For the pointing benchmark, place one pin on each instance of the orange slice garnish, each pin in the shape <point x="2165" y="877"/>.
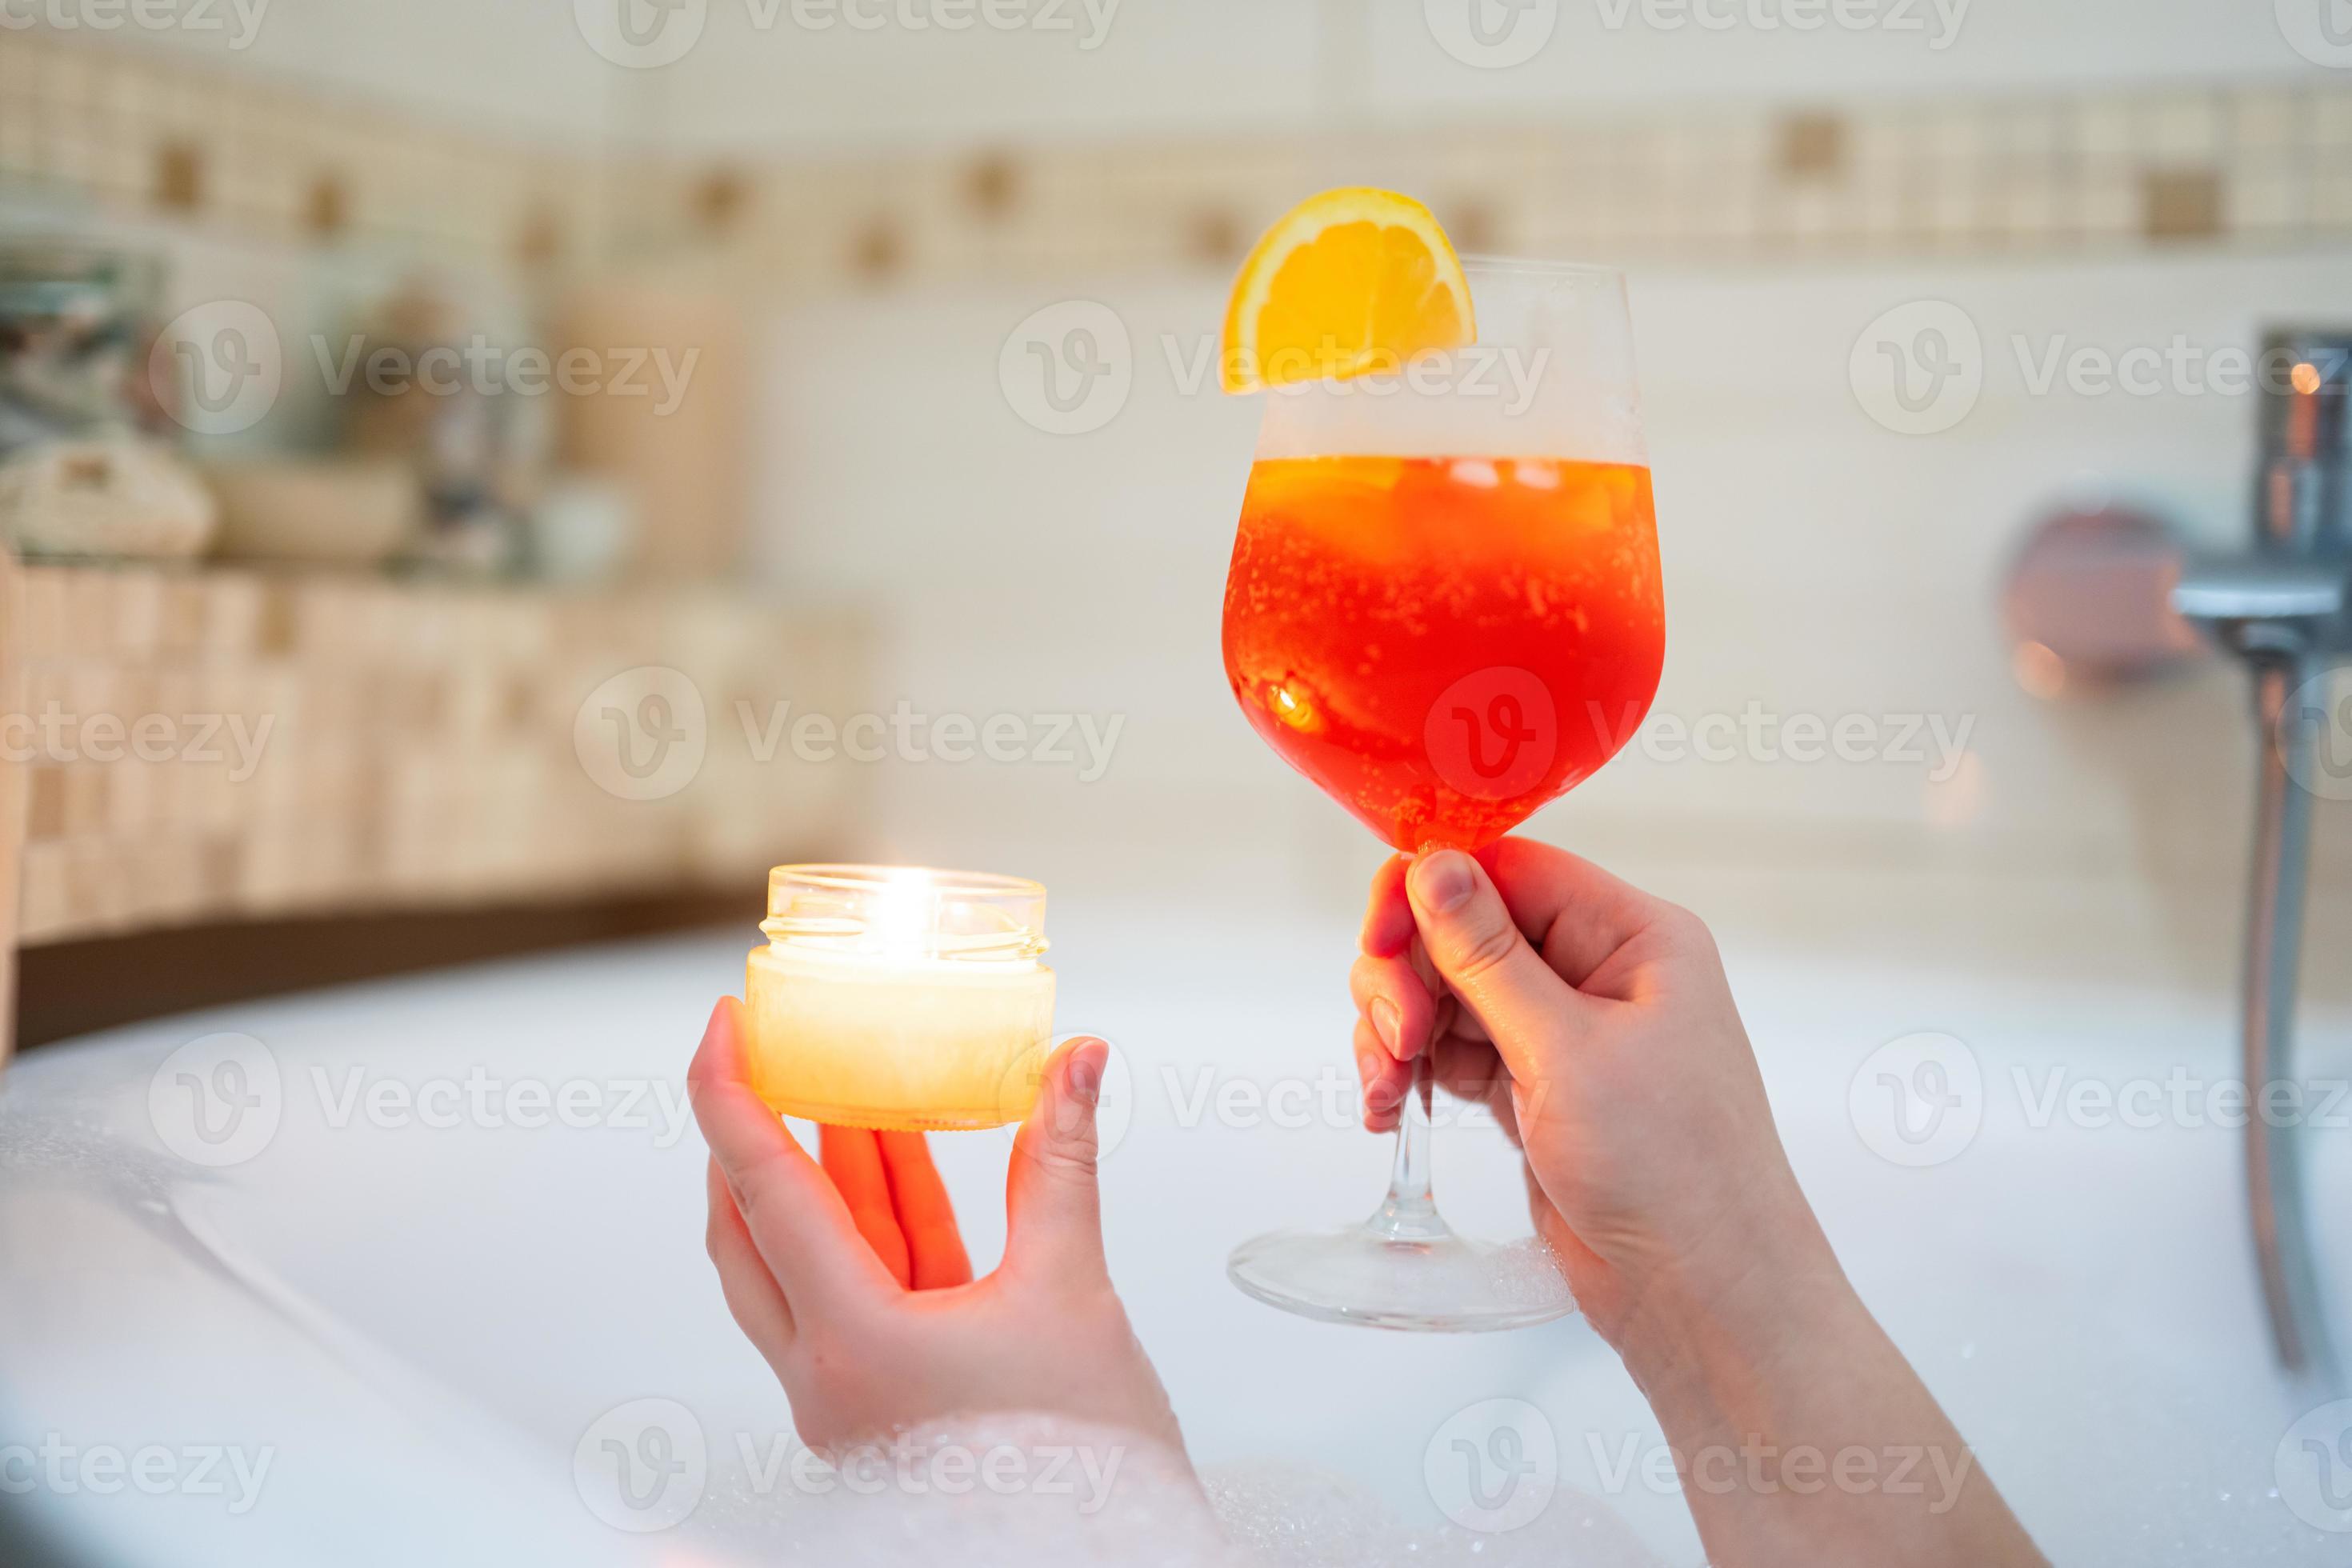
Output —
<point x="1347" y="283"/>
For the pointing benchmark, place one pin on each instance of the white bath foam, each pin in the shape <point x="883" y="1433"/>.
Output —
<point x="1290" y="1516"/>
<point x="1069" y="1493"/>
<point x="1013" y="1489"/>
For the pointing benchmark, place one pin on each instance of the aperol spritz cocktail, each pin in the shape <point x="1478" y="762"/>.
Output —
<point x="1444" y="644"/>
<point x="1445" y="609"/>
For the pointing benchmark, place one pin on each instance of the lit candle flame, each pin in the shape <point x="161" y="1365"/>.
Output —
<point x="902" y="915"/>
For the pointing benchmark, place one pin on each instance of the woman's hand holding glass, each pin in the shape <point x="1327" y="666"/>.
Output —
<point x="1597" y="1023"/>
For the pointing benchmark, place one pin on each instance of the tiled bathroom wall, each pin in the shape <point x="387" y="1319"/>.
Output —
<point x="2258" y="166"/>
<point x="1818" y="564"/>
<point x="222" y="153"/>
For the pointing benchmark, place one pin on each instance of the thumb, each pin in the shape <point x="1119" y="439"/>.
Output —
<point x="1479" y="952"/>
<point x="1052" y="1211"/>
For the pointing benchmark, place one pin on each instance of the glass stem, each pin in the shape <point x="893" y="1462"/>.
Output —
<point x="1409" y="1214"/>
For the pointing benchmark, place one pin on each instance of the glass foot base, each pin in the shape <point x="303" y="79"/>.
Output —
<point x="1433" y="1281"/>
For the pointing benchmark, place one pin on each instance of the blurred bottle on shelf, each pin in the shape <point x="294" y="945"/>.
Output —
<point x="420" y="396"/>
<point x="671" y="436"/>
<point x="82" y="472"/>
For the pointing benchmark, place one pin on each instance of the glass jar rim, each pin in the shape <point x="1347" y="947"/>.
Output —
<point x="905" y="912"/>
<point x="851" y="876"/>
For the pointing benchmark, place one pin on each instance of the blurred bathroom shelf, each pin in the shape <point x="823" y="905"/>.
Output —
<point x="184" y="748"/>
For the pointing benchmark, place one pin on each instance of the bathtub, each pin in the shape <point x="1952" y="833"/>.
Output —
<point x="469" y="1242"/>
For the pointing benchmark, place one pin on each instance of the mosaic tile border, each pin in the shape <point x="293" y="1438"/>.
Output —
<point x="136" y="133"/>
<point x="2249" y="166"/>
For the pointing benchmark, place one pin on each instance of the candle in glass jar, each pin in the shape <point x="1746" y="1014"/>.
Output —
<point x="899" y="997"/>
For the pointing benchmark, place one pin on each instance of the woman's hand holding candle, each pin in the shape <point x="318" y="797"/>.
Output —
<point x="894" y="1194"/>
<point x="860" y="1353"/>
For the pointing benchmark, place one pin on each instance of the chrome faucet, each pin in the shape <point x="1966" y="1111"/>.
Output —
<point x="2285" y="606"/>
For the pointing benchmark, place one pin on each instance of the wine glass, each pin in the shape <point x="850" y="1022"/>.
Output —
<point x="1445" y="609"/>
